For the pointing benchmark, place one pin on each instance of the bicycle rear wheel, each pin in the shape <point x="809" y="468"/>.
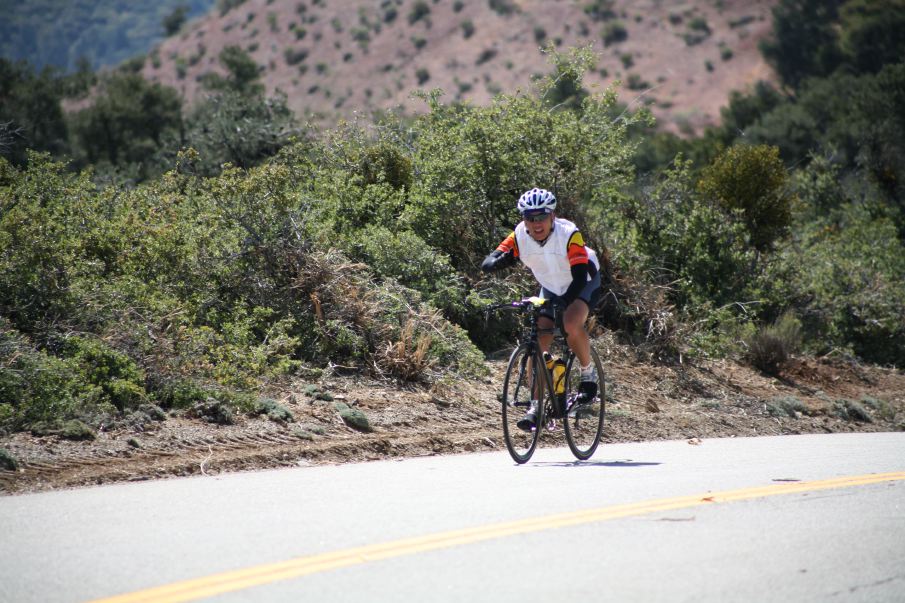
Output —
<point x="523" y="384"/>
<point x="584" y="421"/>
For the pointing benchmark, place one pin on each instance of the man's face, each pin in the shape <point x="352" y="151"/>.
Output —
<point x="539" y="226"/>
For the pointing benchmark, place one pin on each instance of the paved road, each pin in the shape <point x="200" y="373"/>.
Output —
<point x="747" y="519"/>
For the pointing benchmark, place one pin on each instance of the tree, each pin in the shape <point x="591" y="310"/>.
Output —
<point x="30" y="111"/>
<point x="804" y="40"/>
<point x="241" y="129"/>
<point x="242" y="73"/>
<point x="236" y="123"/>
<point x="128" y="123"/>
<point x="873" y="33"/>
<point x="175" y="20"/>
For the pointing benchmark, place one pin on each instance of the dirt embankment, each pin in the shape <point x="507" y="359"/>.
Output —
<point x="645" y="402"/>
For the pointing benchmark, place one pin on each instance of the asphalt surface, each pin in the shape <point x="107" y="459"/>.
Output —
<point x="745" y="519"/>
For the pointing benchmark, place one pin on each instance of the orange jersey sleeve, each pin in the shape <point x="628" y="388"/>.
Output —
<point x="576" y="250"/>
<point x="509" y="245"/>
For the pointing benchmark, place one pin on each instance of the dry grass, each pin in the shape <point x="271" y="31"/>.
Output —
<point x="407" y="357"/>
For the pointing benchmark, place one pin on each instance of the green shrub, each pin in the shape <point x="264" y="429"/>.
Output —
<point x="8" y="461"/>
<point x="770" y="348"/>
<point x="420" y="10"/>
<point x="295" y="56"/>
<point x="415" y="264"/>
<point x="687" y="242"/>
<point x="787" y="406"/>
<point x="274" y="410"/>
<point x="354" y="418"/>
<point x="486" y="55"/>
<point x="227" y="5"/>
<point x="503" y="7"/>
<point x="174" y="21"/>
<point x="76" y="430"/>
<point x="35" y="386"/>
<point x="600" y="10"/>
<point x="846" y="274"/>
<point x="386" y="163"/>
<point x="114" y="372"/>
<point x="613" y="33"/>
<point x="752" y="180"/>
<point x="849" y="410"/>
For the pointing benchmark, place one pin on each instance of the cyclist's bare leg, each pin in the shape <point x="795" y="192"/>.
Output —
<point x="544" y="338"/>
<point x="573" y="321"/>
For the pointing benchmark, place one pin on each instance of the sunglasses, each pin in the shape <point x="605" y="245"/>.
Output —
<point x="535" y="217"/>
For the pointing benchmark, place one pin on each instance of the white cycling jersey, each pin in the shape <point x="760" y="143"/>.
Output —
<point x="551" y="263"/>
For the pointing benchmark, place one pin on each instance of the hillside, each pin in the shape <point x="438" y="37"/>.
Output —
<point x="103" y="32"/>
<point x="335" y="58"/>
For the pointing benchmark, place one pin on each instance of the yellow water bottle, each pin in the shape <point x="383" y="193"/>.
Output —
<point x="558" y="369"/>
<point x="559" y="377"/>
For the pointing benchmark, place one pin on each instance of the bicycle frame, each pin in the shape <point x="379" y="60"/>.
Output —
<point x="530" y="308"/>
<point x="583" y="428"/>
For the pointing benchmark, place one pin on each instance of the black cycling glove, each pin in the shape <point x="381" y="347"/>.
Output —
<point x="497" y="260"/>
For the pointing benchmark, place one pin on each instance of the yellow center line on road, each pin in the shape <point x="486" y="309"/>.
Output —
<point x="192" y="590"/>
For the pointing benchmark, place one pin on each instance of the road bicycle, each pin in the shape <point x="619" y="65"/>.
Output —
<point x="552" y="382"/>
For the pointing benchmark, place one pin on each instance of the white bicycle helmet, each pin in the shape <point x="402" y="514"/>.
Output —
<point x="537" y="200"/>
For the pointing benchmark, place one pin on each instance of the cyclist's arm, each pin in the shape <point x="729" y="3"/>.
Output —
<point x="580" y="266"/>
<point x="503" y="256"/>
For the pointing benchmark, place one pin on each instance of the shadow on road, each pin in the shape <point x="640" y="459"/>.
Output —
<point x="576" y="463"/>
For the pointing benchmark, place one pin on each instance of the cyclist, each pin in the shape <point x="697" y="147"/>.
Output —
<point x="568" y="272"/>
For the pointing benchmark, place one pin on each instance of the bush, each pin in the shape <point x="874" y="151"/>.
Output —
<point x="76" y="430"/>
<point x="216" y="411"/>
<point x="114" y="372"/>
<point x="752" y="180"/>
<point x="173" y="22"/>
<point x="844" y="301"/>
<point x="849" y="410"/>
<point x="420" y="10"/>
<point x="600" y="10"/>
<point x="786" y="406"/>
<point x="613" y="33"/>
<point x="686" y="243"/>
<point x="274" y="410"/>
<point x="295" y="56"/>
<point x="771" y="346"/>
<point x="34" y="386"/>
<point x="354" y="418"/>
<point x="8" y="461"/>
<point x="503" y="7"/>
<point x="410" y="260"/>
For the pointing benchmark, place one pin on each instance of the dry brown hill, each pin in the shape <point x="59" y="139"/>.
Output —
<point x="337" y="57"/>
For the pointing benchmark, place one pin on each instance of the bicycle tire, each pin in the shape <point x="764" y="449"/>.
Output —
<point x="524" y="382"/>
<point x="584" y="422"/>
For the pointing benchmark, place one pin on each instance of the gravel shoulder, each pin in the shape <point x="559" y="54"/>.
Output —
<point x="705" y="399"/>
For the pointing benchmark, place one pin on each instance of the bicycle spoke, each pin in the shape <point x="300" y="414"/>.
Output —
<point x="585" y="414"/>
<point x="518" y="387"/>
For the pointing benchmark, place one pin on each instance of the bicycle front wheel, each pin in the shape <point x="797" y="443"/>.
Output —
<point x="522" y="387"/>
<point x="584" y="415"/>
